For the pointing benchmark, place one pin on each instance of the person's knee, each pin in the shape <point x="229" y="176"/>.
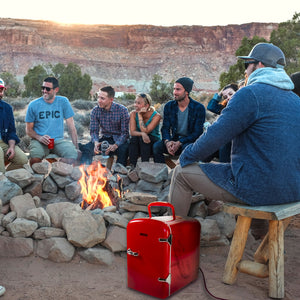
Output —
<point x="134" y="141"/>
<point x="122" y="154"/>
<point x="22" y="159"/>
<point x="156" y="148"/>
<point x="123" y="149"/>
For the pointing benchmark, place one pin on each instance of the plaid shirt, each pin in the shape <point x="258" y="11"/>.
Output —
<point x="110" y="123"/>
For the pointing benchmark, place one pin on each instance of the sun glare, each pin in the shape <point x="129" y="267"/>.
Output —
<point x="156" y="12"/>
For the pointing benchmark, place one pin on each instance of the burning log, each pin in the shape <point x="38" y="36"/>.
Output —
<point x="96" y="189"/>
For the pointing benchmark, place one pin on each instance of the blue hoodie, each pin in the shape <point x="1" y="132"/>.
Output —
<point x="263" y="122"/>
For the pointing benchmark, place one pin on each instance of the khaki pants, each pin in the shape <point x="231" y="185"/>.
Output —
<point x="17" y="162"/>
<point x="191" y="179"/>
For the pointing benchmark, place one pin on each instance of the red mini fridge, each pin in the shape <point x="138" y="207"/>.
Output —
<point x="162" y="253"/>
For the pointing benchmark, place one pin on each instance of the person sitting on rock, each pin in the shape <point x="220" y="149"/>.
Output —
<point x="45" y="119"/>
<point x="182" y="121"/>
<point x="109" y="122"/>
<point x="143" y="128"/>
<point x="10" y="154"/>
<point x="216" y="105"/>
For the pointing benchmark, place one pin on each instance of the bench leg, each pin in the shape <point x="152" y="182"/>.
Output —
<point x="276" y="259"/>
<point x="262" y="253"/>
<point x="237" y="247"/>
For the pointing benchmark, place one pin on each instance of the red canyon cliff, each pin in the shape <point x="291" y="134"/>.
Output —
<point x="126" y="56"/>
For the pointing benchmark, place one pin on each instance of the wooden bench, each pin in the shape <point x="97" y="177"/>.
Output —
<point x="269" y="257"/>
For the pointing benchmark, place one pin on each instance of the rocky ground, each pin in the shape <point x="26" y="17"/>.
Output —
<point x="32" y="278"/>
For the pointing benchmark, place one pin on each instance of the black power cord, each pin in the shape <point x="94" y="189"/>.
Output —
<point x="204" y="281"/>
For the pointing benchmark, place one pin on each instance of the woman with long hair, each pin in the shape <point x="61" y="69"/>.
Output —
<point x="143" y="128"/>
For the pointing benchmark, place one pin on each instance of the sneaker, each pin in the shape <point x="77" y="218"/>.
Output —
<point x="2" y="290"/>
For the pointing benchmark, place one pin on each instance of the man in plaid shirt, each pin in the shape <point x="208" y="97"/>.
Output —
<point x="109" y="122"/>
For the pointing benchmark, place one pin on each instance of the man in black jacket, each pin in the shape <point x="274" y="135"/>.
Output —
<point x="182" y="122"/>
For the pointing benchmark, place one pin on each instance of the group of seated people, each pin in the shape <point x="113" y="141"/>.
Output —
<point x="134" y="135"/>
<point x="261" y="124"/>
<point x="256" y="135"/>
<point x="139" y="134"/>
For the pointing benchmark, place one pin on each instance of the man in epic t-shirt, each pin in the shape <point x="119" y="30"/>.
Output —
<point x="45" y="119"/>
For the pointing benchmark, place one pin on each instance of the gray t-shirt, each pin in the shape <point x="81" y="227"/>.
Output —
<point x="182" y="125"/>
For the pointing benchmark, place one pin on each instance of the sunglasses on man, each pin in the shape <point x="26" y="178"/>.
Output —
<point x="48" y="89"/>
<point x="249" y="62"/>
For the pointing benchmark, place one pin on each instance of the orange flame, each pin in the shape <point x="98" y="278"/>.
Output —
<point x="92" y="182"/>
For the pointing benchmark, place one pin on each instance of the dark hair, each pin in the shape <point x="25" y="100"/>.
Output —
<point x="53" y="80"/>
<point x="296" y="80"/>
<point x="233" y="86"/>
<point x="109" y="90"/>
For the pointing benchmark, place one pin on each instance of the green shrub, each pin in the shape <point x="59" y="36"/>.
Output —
<point x="84" y="104"/>
<point x="82" y="119"/>
<point x="18" y="104"/>
<point x="20" y="129"/>
<point x="80" y="130"/>
<point x="24" y="143"/>
<point x="20" y="119"/>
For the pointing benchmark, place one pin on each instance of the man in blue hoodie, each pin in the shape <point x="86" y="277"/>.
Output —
<point x="263" y="121"/>
<point x="10" y="154"/>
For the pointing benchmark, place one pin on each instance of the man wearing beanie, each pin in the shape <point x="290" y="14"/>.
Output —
<point x="182" y="122"/>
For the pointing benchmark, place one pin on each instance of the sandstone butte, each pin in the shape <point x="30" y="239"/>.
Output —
<point x="128" y="56"/>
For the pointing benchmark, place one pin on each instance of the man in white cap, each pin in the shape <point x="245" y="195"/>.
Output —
<point x="182" y="122"/>
<point x="10" y="154"/>
<point x="263" y="121"/>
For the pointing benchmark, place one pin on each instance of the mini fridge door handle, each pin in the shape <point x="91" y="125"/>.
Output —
<point x="167" y="240"/>
<point x="167" y="280"/>
<point x="130" y="252"/>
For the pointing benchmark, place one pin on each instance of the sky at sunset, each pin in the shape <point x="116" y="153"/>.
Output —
<point x="155" y="12"/>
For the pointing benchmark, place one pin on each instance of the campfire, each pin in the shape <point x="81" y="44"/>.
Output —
<point x="96" y="189"/>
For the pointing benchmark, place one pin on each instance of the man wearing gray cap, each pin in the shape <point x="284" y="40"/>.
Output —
<point x="182" y="122"/>
<point x="263" y="121"/>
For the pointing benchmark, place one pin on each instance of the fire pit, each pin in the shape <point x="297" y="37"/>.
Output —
<point x="96" y="188"/>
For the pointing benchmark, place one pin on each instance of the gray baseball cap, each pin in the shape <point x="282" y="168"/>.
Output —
<point x="267" y="53"/>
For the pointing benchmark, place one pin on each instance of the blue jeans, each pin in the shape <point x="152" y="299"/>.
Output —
<point x="88" y="151"/>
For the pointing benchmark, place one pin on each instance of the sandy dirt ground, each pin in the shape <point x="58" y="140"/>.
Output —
<point x="33" y="278"/>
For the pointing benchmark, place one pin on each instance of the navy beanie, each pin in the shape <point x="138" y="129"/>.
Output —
<point x="186" y="82"/>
